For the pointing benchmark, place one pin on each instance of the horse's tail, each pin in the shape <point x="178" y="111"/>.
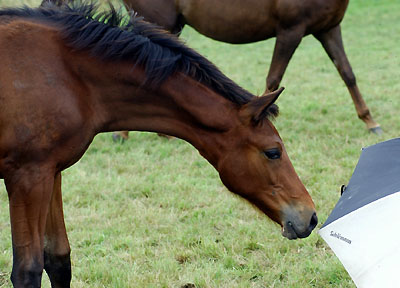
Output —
<point x="46" y="3"/>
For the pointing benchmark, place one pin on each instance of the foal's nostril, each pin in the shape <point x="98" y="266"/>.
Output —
<point x="313" y="222"/>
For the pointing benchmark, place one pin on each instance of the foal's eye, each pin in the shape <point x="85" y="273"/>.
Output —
<point x="273" y="154"/>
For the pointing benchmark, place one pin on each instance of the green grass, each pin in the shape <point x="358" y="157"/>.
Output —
<point x="153" y="213"/>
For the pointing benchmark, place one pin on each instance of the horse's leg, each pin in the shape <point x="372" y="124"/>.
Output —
<point x="120" y="136"/>
<point x="164" y="13"/>
<point x="332" y="42"/>
<point x="29" y="191"/>
<point x="286" y="43"/>
<point x="57" y="262"/>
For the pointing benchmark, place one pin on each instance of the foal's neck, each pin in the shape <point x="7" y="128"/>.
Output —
<point x="181" y="107"/>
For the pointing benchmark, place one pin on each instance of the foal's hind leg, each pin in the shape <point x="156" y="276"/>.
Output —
<point x="332" y="42"/>
<point x="57" y="261"/>
<point x="286" y="43"/>
<point x="29" y="191"/>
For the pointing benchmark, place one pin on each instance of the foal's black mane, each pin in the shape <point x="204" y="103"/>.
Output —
<point x="111" y="36"/>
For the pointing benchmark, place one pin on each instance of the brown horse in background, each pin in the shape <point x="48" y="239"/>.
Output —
<point x="246" y="21"/>
<point x="67" y="75"/>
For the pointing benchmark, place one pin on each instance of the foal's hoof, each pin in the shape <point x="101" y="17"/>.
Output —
<point x="117" y="138"/>
<point x="376" y="130"/>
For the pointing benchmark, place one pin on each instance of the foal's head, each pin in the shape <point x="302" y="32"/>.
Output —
<point x="256" y="166"/>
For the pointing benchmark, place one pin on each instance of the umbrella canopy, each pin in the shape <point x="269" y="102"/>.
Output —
<point x="364" y="227"/>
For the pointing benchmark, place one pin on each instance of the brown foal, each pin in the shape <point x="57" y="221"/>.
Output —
<point x="68" y="73"/>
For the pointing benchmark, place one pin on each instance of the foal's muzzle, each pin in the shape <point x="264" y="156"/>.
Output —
<point x="298" y="225"/>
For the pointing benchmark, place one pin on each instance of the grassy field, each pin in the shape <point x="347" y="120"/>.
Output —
<point x="153" y="213"/>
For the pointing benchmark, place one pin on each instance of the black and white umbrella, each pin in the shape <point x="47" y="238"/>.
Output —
<point x="364" y="227"/>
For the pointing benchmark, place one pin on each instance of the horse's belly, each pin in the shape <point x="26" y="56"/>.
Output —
<point x="237" y="34"/>
<point x="230" y="21"/>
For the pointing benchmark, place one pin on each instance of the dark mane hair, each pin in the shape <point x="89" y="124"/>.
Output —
<point x="112" y="36"/>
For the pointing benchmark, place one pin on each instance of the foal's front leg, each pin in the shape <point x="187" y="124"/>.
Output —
<point x="57" y="262"/>
<point x="29" y="191"/>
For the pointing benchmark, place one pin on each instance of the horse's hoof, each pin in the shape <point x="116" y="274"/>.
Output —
<point x="165" y="136"/>
<point x="117" y="138"/>
<point x="376" y="130"/>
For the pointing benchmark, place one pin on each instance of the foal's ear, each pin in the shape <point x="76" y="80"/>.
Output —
<point x="258" y="108"/>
